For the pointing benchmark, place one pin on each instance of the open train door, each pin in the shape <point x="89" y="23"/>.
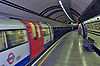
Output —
<point x="32" y="37"/>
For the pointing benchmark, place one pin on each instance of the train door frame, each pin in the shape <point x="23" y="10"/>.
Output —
<point x="33" y="42"/>
<point x="35" y="39"/>
<point x="40" y="39"/>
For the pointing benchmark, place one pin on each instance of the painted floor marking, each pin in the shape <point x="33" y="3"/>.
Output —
<point x="80" y="50"/>
<point x="48" y="54"/>
<point x="69" y="50"/>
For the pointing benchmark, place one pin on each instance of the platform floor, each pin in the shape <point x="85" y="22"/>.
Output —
<point x="69" y="52"/>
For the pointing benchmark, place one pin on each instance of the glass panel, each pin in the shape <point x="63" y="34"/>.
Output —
<point x="38" y="30"/>
<point x="48" y="31"/>
<point x="44" y="32"/>
<point x="2" y="42"/>
<point x="16" y="37"/>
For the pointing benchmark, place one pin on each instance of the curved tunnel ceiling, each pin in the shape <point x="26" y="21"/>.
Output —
<point x="51" y="9"/>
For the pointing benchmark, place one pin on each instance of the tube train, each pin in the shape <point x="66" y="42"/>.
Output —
<point x="22" y="40"/>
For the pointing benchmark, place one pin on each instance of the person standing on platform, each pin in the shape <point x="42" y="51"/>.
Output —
<point x="79" y="29"/>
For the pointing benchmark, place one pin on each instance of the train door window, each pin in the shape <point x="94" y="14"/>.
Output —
<point x="38" y="30"/>
<point x="48" y="32"/>
<point x="2" y="41"/>
<point x="33" y="30"/>
<point x="16" y="37"/>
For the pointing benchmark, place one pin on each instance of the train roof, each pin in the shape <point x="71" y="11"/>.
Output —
<point x="7" y="24"/>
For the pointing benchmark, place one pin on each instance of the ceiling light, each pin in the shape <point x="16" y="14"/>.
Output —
<point x="64" y="10"/>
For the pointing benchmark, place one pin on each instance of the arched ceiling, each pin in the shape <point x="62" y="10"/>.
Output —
<point x="74" y="10"/>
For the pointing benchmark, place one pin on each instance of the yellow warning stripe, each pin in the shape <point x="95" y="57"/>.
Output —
<point x="48" y="53"/>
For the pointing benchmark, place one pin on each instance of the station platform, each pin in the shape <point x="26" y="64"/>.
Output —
<point x="68" y="52"/>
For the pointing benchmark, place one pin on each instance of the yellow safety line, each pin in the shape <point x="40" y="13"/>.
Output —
<point x="48" y="53"/>
<point x="51" y="50"/>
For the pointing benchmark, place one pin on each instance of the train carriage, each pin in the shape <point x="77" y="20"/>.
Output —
<point x="22" y="40"/>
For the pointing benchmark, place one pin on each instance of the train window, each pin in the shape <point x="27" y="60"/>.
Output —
<point x="38" y="30"/>
<point x="44" y="32"/>
<point x="33" y="30"/>
<point x="16" y="37"/>
<point x="2" y="42"/>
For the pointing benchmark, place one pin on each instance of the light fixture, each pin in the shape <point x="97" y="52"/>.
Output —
<point x="64" y="10"/>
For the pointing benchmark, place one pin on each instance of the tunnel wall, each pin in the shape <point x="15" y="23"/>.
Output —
<point x="93" y="30"/>
<point x="60" y="31"/>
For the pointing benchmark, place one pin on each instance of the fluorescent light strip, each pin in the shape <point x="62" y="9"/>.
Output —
<point x="64" y="10"/>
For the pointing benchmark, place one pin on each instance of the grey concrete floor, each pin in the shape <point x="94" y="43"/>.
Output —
<point x="69" y="52"/>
